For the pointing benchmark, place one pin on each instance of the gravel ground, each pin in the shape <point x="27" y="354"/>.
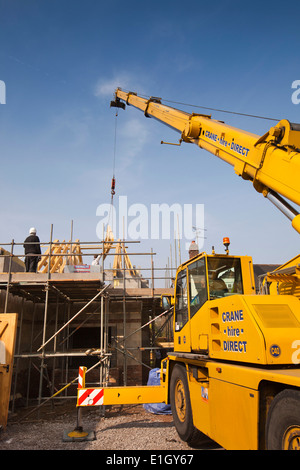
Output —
<point x="122" y="428"/>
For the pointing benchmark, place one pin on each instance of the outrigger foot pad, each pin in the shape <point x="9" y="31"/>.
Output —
<point x="78" y="435"/>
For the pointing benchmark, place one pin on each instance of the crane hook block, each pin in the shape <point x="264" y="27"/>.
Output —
<point x="113" y="185"/>
<point x="117" y="104"/>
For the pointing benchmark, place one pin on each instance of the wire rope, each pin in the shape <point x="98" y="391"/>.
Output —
<point x="221" y="110"/>
<point x="212" y="109"/>
<point x="113" y="177"/>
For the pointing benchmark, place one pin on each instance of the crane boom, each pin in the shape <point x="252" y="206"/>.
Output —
<point x="271" y="162"/>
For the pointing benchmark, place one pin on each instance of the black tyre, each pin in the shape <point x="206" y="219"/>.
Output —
<point x="283" y="422"/>
<point x="181" y="408"/>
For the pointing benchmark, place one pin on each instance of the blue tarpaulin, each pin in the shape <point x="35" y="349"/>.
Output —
<point x="156" y="408"/>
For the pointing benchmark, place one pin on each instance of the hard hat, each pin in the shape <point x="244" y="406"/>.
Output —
<point x="32" y="230"/>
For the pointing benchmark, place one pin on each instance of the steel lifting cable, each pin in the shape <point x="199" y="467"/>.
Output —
<point x="222" y="110"/>
<point x="113" y="181"/>
<point x="211" y="109"/>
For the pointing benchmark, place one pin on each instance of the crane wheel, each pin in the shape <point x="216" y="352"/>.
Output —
<point x="283" y="422"/>
<point x="181" y="408"/>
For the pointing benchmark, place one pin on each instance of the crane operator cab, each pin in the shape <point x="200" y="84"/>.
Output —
<point x="218" y="315"/>
<point x="201" y="284"/>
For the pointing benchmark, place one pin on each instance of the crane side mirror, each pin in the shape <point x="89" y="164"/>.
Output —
<point x="167" y="301"/>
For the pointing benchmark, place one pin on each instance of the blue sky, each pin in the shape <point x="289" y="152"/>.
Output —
<point x="61" y="62"/>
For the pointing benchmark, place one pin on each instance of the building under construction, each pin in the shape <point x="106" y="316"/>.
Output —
<point x="105" y="315"/>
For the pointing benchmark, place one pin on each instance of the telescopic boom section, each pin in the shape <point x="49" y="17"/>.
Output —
<point x="271" y="161"/>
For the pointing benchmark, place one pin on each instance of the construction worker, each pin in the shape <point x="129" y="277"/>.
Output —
<point x="32" y="249"/>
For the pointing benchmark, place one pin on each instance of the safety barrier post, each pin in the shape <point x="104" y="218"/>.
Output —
<point x="81" y="377"/>
<point x="78" y="434"/>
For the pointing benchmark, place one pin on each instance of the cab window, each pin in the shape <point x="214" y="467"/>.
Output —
<point x="224" y="277"/>
<point x="197" y="285"/>
<point x="181" y="302"/>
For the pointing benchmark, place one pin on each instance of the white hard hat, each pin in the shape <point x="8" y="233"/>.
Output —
<point x="32" y="230"/>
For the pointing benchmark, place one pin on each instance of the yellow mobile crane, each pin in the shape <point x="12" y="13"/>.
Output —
<point x="234" y="374"/>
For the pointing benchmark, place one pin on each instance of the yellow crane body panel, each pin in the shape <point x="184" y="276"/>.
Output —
<point x="256" y="329"/>
<point x="8" y="329"/>
<point x="226" y="407"/>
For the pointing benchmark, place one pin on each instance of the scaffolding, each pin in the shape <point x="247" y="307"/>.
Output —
<point x="47" y="322"/>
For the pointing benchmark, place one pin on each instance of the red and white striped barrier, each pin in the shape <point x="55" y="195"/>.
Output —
<point x="81" y="377"/>
<point x="90" y="397"/>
